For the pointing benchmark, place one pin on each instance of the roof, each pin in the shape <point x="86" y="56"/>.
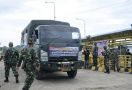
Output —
<point x="34" y="23"/>
<point x="120" y="34"/>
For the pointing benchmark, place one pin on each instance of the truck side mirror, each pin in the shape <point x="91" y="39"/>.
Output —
<point x="34" y="37"/>
<point x="80" y="48"/>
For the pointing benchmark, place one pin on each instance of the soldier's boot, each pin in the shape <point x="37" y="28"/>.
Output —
<point x="118" y="70"/>
<point x="6" y="80"/>
<point x="25" y="88"/>
<point x="96" y="68"/>
<point x="17" y="80"/>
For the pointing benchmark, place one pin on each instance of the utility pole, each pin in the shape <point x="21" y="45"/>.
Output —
<point x="84" y="25"/>
<point x="54" y="9"/>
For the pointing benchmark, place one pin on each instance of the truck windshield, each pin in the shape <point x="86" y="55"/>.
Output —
<point x="57" y="34"/>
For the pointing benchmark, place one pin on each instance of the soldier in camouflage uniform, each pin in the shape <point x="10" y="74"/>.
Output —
<point x="95" y="56"/>
<point x="114" y="55"/>
<point x="2" y="55"/>
<point x="30" y="61"/>
<point x="106" y="55"/>
<point x="10" y="60"/>
<point x="3" y="52"/>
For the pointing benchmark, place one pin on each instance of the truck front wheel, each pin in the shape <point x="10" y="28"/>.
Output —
<point x="39" y="75"/>
<point x="72" y="73"/>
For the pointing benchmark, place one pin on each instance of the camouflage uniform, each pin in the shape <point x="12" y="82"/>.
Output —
<point x="10" y="60"/>
<point x="3" y="52"/>
<point x="23" y="57"/>
<point x="115" y="60"/>
<point x="106" y="55"/>
<point x="95" y="56"/>
<point x="30" y="61"/>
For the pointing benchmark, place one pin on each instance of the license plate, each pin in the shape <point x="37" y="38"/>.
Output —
<point x="66" y="67"/>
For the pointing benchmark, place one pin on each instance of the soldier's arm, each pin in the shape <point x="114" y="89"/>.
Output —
<point x="102" y="53"/>
<point x="33" y="54"/>
<point x="20" y="60"/>
<point x="6" y="56"/>
<point x="88" y="52"/>
<point x="108" y="53"/>
<point x="34" y="57"/>
<point x="1" y="58"/>
<point x="17" y="55"/>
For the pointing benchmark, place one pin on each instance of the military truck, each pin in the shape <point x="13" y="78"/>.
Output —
<point x="58" y="46"/>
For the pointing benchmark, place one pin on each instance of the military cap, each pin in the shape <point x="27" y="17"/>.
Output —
<point x="30" y="41"/>
<point x="105" y="47"/>
<point x="10" y="44"/>
<point x="95" y="43"/>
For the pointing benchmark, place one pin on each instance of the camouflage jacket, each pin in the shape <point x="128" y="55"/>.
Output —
<point x="29" y="57"/>
<point x="95" y="51"/>
<point x="106" y="54"/>
<point x="11" y="56"/>
<point x="23" y="54"/>
<point x="114" y="55"/>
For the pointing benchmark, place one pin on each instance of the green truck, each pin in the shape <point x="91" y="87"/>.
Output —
<point x="58" y="46"/>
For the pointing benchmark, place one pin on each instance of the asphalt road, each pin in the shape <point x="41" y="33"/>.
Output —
<point x="85" y="80"/>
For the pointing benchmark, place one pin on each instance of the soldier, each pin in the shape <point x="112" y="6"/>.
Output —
<point x="30" y="61"/>
<point x="2" y="55"/>
<point x="10" y="60"/>
<point x="95" y="56"/>
<point x="106" y="55"/>
<point x="3" y="52"/>
<point x="128" y="52"/>
<point x="115" y="60"/>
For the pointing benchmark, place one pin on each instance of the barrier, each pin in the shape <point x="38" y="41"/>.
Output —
<point x="125" y="62"/>
<point x="101" y="63"/>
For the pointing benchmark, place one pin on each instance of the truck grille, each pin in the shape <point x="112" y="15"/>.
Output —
<point x="62" y="59"/>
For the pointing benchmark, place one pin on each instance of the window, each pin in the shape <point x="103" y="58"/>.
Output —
<point x="75" y="35"/>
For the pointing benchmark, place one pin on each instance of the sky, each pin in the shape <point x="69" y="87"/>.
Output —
<point x="99" y="16"/>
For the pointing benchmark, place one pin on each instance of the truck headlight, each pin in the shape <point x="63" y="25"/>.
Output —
<point x="80" y="56"/>
<point x="44" y="56"/>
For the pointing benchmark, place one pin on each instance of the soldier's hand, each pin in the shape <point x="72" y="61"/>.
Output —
<point x="17" y="68"/>
<point x="0" y="58"/>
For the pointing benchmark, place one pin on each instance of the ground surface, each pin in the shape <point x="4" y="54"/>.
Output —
<point x="85" y="80"/>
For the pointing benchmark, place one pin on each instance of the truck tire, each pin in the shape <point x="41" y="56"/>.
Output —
<point x="39" y="75"/>
<point x="72" y="73"/>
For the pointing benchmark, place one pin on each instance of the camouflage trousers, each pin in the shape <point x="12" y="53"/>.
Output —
<point x="106" y="64"/>
<point x="7" y="70"/>
<point x="30" y="78"/>
<point x="115" y="65"/>
<point x="95" y="62"/>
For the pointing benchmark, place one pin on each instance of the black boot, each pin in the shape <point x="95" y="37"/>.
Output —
<point x="6" y="80"/>
<point x="17" y="80"/>
<point x="118" y="70"/>
<point x="24" y="88"/>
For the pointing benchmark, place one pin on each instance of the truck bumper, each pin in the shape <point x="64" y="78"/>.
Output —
<point x="61" y="66"/>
